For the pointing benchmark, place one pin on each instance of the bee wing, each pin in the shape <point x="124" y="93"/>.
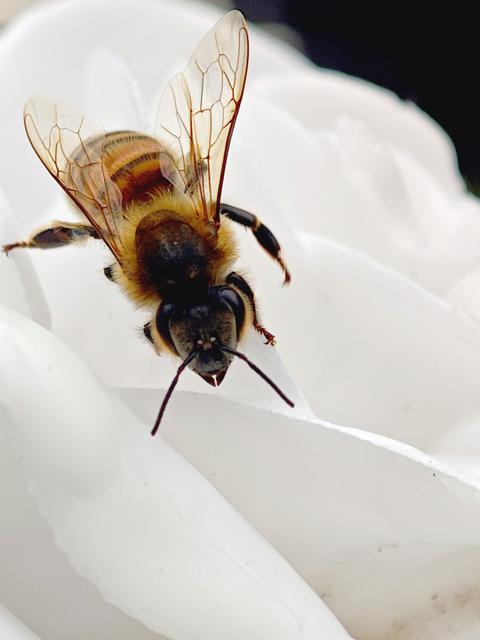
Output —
<point x="71" y="147"/>
<point x="197" y="114"/>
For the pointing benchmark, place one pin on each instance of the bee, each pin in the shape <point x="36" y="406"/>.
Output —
<point x="155" y="202"/>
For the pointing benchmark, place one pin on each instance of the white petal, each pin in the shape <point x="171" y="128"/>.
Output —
<point x="20" y="289"/>
<point x="318" y="98"/>
<point x="112" y="93"/>
<point x="388" y="537"/>
<point x="42" y="587"/>
<point x="134" y="517"/>
<point x="444" y="244"/>
<point x="343" y="184"/>
<point x="382" y="354"/>
<point x="351" y="185"/>
<point x="465" y="293"/>
<point x="12" y="628"/>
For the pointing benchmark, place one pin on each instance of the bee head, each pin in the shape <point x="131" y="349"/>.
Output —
<point x="205" y="335"/>
<point x="204" y="330"/>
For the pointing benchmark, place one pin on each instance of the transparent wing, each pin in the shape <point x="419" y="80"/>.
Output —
<point x="71" y="147"/>
<point x="197" y="114"/>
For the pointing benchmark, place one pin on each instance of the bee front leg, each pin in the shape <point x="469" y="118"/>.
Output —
<point x="58" y="234"/>
<point x="242" y="285"/>
<point x="262" y="233"/>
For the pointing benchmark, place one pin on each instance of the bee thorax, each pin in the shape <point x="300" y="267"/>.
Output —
<point x="172" y="256"/>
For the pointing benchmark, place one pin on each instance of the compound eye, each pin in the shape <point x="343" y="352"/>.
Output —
<point x="162" y="321"/>
<point x="236" y="304"/>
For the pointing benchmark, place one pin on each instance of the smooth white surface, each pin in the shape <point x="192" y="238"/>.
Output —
<point x="12" y="628"/>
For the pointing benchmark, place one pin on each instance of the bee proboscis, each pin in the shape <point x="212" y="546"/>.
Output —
<point x="155" y="202"/>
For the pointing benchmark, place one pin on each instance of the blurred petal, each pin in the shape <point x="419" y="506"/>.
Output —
<point x="318" y="97"/>
<point x="444" y="245"/>
<point x="343" y="185"/>
<point x="112" y="93"/>
<point x="350" y="184"/>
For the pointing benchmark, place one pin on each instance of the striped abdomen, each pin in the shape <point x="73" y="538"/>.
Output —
<point x="132" y="161"/>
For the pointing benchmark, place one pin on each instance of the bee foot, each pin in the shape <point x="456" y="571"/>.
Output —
<point x="108" y="272"/>
<point x="6" y="248"/>
<point x="269" y="337"/>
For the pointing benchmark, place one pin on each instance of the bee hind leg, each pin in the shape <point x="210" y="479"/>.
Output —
<point x="237" y="281"/>
<point x="58" y="234"/>
<point x="262" y="233"/>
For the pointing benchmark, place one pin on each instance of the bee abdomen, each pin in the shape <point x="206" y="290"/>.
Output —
<point x="132" y="161"/>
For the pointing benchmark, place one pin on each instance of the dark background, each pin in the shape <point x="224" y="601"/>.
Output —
<point x="426" y="53"/>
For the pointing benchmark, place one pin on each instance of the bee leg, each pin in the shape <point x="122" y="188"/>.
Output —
<point x="264" y="236"/>
<point x="242" y="285"/>
<point x="109" y="271"/>
<point x="58" y="234"/>
<point x="147" y="332"/>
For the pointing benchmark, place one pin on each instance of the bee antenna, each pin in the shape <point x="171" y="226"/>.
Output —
<point x="263" y="375"/>
<point x="172" y="386"/>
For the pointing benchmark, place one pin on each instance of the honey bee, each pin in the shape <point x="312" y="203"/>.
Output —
<point x="156" y="203"/>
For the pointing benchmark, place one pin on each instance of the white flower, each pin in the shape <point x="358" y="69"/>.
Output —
<point x="244" y="515"/>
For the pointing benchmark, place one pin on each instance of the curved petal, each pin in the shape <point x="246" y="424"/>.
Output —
<point x="318" y="97"/>
<point x="364" y="519"/>
<point x="352" y="185"/>
<point x="12" y="628"/>
<point x="382" y="354"/>
<point x="20" y="289"/>
<point x="134" y="517"/>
